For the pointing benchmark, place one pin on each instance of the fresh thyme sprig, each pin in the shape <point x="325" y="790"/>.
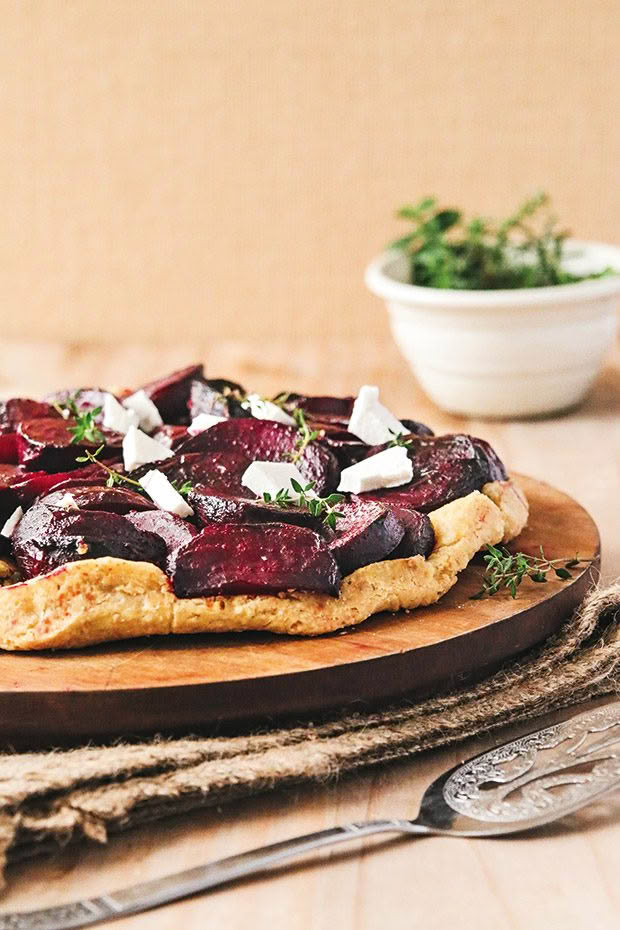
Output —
<point x="506" y="569"/>
<point x="85" y="429"/>
<point x="183" y="489"/>
<point x="445" y="250"/>
<point x="399" y="440"/>
<point x="114" y="477"/>
<point x="305" y="434"/>
<point x="325" y="507"/>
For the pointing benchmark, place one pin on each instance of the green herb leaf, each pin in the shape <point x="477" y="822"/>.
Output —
<point x="184" y="488"/>
<point x="305" y="434"/>
<point x="324" y="507"/>
<point x="114" y="477"/>
<point x="508" y="570"/>
<point x="85" y="429"/>
<point x="399" y="440"/>
<point x="524" y="250"/>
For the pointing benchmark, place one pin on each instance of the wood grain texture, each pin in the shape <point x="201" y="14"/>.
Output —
<point x="564" y="879"/>
<point x="183" y="682"/>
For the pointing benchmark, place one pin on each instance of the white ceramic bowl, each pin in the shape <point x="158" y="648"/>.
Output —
<point x="504" y="353"/>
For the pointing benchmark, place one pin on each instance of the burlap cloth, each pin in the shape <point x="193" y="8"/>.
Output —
<point x="51" y="798"/>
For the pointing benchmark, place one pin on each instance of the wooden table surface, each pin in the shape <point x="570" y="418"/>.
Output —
<point x="565" y="878"/>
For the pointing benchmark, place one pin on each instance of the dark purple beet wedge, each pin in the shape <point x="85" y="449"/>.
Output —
<point x="436" y="488"/>
<point x="264" y="440"/>
<point x="30" y="485"/>
<point x="111" y="500"/>
<point x="214" y="506"/>
<point x="45" y="445"/>
<point x="174" y="531"/>
<point x="16" y="409"/>
<point x="419" y="537"/>
<point x="368" y="532"/>
<point x="171" y="394"/>
<point x="221" y="471"/>
<point x="262" y="558"/>
<point x="45" y="539"/>
<point x="417" y="428"/>
<point x="324" y="409"/>
<point x="492" y="465"/>
<point x="347" y="448"/>
<point x="85" y="399"/>
<point x="8" y="497"/>
<point x="8" y="448"/>
<point x="217" y="396"/>
<point x="170" y="435"/>
<point x="431" y="452"/>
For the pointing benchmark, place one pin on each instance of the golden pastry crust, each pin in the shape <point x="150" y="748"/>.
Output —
<point x="99" y="600"/>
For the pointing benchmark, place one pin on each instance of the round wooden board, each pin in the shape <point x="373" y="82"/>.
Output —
<point x="189" y="682"/>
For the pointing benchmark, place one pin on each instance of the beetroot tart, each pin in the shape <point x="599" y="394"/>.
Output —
<point x="190" y="505"/>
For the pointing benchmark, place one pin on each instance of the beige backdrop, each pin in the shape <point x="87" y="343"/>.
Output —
<point x="173" y="169"/>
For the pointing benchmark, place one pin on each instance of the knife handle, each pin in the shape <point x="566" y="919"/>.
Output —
<point x="160" y="891"/>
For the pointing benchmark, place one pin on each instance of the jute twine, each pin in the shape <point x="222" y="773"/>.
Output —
<point x="51" y="798"/>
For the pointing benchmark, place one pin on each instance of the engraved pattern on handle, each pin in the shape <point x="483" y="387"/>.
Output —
<point x="169" y="888"/>
<point x="551" y="770"/>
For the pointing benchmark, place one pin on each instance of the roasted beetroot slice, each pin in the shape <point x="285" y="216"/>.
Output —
<point x="30" y="485"/>
<point x="85" y="399"/>
<point x="368" y="532"/>
<point x="45" y="445"/>
<point x="171" y="394"/>
<point x="428" y="453"/>
<point x="221" y="471"/>
<point x="216" y="396"/>
<point x="264" y="440"/>
<point x="110" y="500"/>
<point x="261" y="558"/>
<point x="347" y="448"/>
<point x="419" y="538"/>
<point x="8" y="497"/>
<point x="45" y="539"/>
<point x="492" y="465"/>
<point x="8" y="448"/>
<point x="213" y="506"/>
<point x="417" y="428"/>
<point x="170" y="435"/>
<point x="326" y="409"/>
<point x="16" y="409"/>
<point x="174" y="531"/>
<point x="436" y="488"/>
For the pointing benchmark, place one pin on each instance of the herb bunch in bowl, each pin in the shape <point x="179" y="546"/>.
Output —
<point x="445" y="250"/>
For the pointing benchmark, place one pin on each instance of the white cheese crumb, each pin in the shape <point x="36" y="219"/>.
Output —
<point x="162" y="493"/>
<point x="202" y="422"/>
<point x="68" y="502"/>
<point x="387" y="469"/>
<point x="140" y="449"/>
<point x="370" y="420"/>
<point x="266" y="410"/>
<point x="270" y="477"/>
<point x="116" y="417"/>
<point x="9" y="527"/>
<point x="149" y="415"/>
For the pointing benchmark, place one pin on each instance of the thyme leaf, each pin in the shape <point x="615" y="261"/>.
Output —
<point x="183" y="489"/>
<point x="524" y="250"/>
<point x="114" y="477"/>
<point x="508" y="570"/>
<point x="399" y="440"/>
<point x="85" y="428"/>
<point x="305" y="435"/>
<point x="325" y="507"/>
